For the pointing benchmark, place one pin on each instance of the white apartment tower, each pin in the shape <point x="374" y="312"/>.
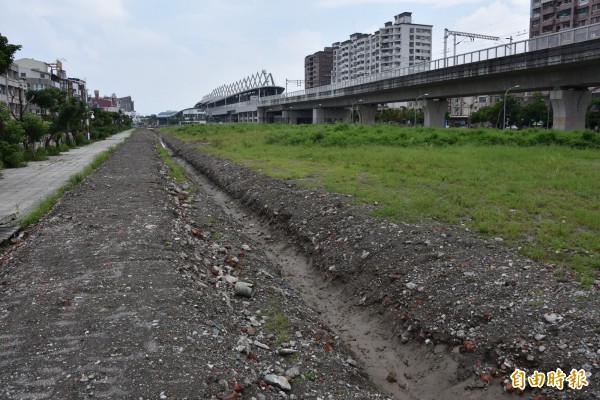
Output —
<point x="397" y="45"/>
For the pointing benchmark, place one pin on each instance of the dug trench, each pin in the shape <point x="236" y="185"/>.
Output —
<point x="429" y="310"/>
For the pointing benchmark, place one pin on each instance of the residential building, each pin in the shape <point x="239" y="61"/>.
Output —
<point x="318" y="67"/>
<point x="397" y="45"/>
<point x="36" y="75"/>
<point x="125" y="104"/>
<point x="113" y="103"/>
<point x="12" y="89"/>
<point x="548" y="16"/>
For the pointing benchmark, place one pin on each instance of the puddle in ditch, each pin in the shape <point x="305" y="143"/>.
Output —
<point x="422" y="371"/>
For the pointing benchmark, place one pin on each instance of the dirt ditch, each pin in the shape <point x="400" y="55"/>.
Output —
<point x="430" y="311"/>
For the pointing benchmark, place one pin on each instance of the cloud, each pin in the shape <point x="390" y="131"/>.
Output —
<point x="497" y="18"/>
<point x="430" y="3"/>
<point x="501" y="18"/>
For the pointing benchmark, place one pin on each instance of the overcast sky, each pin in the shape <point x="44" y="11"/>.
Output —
<point x="168" y="54"/>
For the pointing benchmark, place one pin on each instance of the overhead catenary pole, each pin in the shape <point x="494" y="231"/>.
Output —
<point x="472" y="36"/>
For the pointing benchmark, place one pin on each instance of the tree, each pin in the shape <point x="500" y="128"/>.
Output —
<point x="65" y="113"/>
<point x="7" y="54"/>
<point x="70" y="117"/>
<point x="488" y="115"/>
<point x="593" y="114"/>
<point x="35" y="129"/>
<point x="535" y="112"/>
<point x="50" y="99"/>
<point x="11" y="136"/>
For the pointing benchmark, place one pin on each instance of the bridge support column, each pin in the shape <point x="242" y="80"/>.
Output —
<point x="367" y="114"/>
<point x="318" y="115"/>
<point x="569" y="108"/>
<point x="262" y="115"/>
<point x="435" y="112"/>
<point x="289" y="117"/>
<point x="328" y="115"/>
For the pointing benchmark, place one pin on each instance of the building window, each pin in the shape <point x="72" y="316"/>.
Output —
<point x="564" y="13"/>
<point x="582" y="10"/>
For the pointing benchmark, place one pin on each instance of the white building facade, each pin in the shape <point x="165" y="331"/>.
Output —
<point x="396" y="45"/>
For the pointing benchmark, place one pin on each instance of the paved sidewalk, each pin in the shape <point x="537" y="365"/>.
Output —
<point x="21" y="189"/>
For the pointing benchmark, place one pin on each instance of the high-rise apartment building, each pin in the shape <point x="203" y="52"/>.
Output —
<point x="396" y="45"/>
<point x="318" y="67"/>
<point x="549" y="16"/>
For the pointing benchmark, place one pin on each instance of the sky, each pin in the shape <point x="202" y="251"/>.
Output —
<point x="167" y="55"/>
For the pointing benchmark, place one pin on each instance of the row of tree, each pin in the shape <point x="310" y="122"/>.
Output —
<point x="537" y="112"/>
<point x="64" y="120"/>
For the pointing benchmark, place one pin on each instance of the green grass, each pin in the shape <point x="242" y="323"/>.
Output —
<point x="46" y="205"/>
<point x="176" y="170"/>
<point x="278" y="324"/>
<point x="539" y="190"/>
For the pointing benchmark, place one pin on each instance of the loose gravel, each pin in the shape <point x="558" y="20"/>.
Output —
<point x="136" y="286"/>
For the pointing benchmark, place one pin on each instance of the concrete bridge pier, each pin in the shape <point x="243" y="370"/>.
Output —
<point x="325" y="115"/>
<point x="435" y="112"/>
<point x="262" y="115"/>
<point x="569" y="108"/>
<point x="367" y="114"/>
<point x="318" y="115"/>
<point x="295" y="117"/>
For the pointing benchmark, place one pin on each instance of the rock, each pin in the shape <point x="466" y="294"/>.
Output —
<point x="293" y="372"/>
<point x="539" y="337"/>
<point x="261" y="345"/>
<point x="550" y="317"/>
<point x="392" y="377"/>
<point x="279" y="381"/>
<point x="243" y="345"/>
<point x="285" y="352"/>
<point x="411" y="286"/>
<point x="245" y="247"/>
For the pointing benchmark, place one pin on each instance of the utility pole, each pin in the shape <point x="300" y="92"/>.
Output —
<point x="297" y="82"/>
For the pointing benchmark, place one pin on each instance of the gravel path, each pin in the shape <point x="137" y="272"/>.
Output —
<point x="126" y="290"/>
<point x="135" y="286"/>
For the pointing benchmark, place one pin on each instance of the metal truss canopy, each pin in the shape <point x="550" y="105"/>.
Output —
<point x="258" y="80"/>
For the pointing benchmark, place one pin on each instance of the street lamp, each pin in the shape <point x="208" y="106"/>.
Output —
<point x="352" y="110"/>
<point x="89" y="125"/>
<point x="505" y="93"/>
<point x="416" y="104"/>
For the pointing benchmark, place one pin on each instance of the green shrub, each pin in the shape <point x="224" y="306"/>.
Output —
<point x="12" y="155"/>
<point x="52" y="150"/>
<point x="36" y="155"/>
<point x="80" y="140"/>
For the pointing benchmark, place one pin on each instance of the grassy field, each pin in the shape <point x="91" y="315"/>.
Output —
<point x="538" y="190"/>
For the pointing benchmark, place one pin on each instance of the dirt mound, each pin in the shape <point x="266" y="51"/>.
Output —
<point x="434" y="288"/>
